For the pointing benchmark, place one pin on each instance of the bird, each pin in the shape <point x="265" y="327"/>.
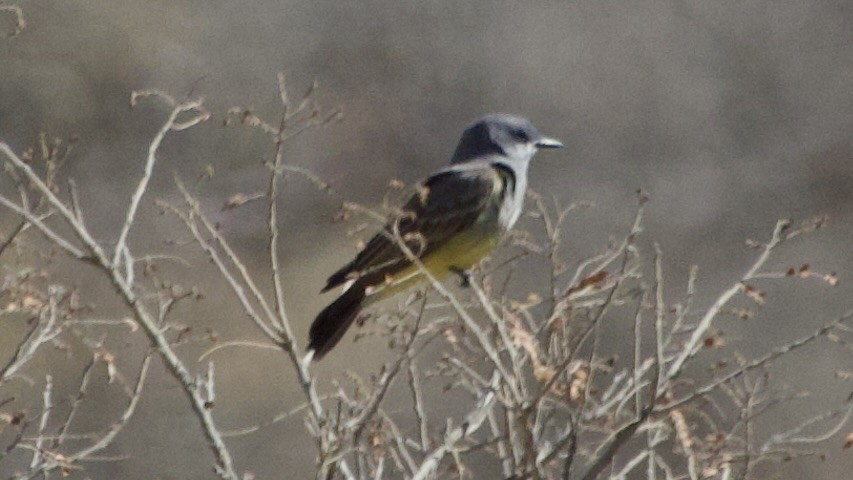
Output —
<point x="453" y="220"/>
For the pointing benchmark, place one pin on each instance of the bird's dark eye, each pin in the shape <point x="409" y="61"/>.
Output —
<point x="519" y="135"/>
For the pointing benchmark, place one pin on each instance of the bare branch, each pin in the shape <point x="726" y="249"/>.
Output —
<point x="144" y="318"/>
<point x="758" y="363"/>
<point x="35" y="221"/>
<point x="471" y="424"/>
<point x="47" y="406"/>
<point x="692" y="346"/>
<point x="170" y="124"/>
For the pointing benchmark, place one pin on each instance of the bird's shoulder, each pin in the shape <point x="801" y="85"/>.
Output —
<point x="458" y="186"/>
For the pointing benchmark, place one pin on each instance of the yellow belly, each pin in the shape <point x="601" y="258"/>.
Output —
<point x="459" y="253"/>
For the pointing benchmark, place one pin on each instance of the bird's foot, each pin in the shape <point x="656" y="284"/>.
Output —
<point x="464" y="276"/>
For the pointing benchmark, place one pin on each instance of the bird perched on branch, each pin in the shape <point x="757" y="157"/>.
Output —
<point x="455" y="218"/>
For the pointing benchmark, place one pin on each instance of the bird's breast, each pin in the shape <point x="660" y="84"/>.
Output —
<point x="508" y="199"/>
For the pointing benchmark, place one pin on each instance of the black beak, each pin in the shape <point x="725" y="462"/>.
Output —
<point x="547" y="142"/>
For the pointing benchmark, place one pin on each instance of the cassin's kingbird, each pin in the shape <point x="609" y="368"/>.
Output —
<point x="456" y="217"/>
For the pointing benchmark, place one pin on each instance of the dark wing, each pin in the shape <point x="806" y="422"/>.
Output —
<point x="447" y="203"/>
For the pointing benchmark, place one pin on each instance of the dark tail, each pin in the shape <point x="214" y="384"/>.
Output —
<point x="331" y="324"/>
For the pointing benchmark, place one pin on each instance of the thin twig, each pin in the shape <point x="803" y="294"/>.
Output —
<point x="153" y="147"/>
<point x="758" y="363"/>
<point x="691" y="348"/>
<point x="148" y="322"/>
<point x="47" y="406"/>
<point x="471" y="424"/>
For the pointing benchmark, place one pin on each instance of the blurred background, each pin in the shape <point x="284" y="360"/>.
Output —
<point x="729" y="114"/>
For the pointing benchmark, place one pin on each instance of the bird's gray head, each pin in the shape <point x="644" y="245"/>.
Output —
<point x="501" y="134"/>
